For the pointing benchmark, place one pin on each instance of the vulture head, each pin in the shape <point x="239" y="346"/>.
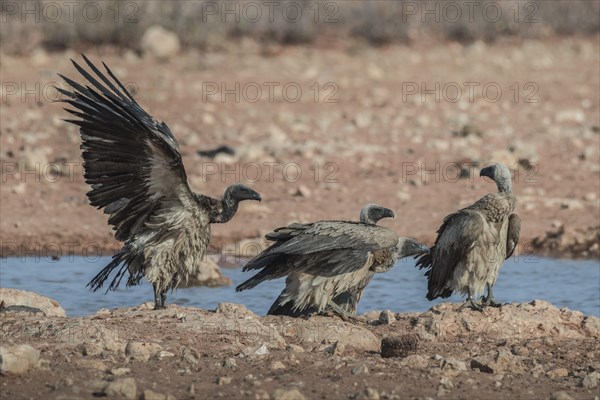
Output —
<point x="239" y="192"/>
<point x="500" y="174"/>
<point x="409" y="247"/>
<point x="372" y="213"/>
<point x="232" y="197"/>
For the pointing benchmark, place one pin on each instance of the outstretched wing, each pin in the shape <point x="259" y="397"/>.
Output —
<point x="323" y="249"/>
<point x="131" y="160"/>
<point x="458" y="234"/>
<point x="512" y="238"/>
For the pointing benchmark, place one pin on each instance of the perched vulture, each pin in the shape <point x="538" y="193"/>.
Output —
<point x="473" y="243"/>
<point x="328" y="263"/>
<point x="134" y="167"/>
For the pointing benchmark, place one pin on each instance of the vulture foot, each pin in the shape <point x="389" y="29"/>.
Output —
<point x="343" y="314"/>
<point x="469" y="303"/>
<point x="489" y="299"/>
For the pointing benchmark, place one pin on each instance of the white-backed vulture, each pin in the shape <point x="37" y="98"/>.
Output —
<point x="328" y="260"/>
<point x="473" y="243"/>
<point x="134" y="167"/>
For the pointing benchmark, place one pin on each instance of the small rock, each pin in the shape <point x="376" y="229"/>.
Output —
<point x="452" y="364"/>
<point x="359" y="369"/>
<point x="141" y="351"/>
<point x="301" y="191"/>
<point x="152" y="395"/>
<point x="415" y="361"/>
<point x="590" y="381"/>
<point x="160" y="43"/>
<point x="557" y="373"/>
<point x="401" y="346"/>
<point x="18" y="359"/>
<point x="223" y="380"/>
<point x="446" y="383"/>
<point x="368" y="394"/>
<point x="276" y="366"/>
<point x="120" y="371"/>
<point x="387" y="317"/>
<point x="124" y="387"/>
<point x="288" y="394"/>
<point x="560" y="395"/>
<point x="335" y="348"/>
<point x="89" y="349"/>
<point x="230" y="363"/>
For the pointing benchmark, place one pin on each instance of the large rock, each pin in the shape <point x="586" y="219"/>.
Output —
<point x="18" y="359"/>
<point x="319" y="330"/>
<point x="521" y="320"/>
<point x="209" y="274"/>
<point x="15" y="297"/>
<point x="160" y="43"/>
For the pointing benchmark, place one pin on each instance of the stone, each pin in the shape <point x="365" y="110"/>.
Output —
<point x="142" y="351"/>
<point x="557" y="373"/>
<point x="360" y="369"/>
<point x="230" y="363"/>
<point x="160" y="43"/>
<point x="590" y="381"/>
<point x="560" y="395"/>
<point x="453" y="366"/>
<point x="499" y="362"/>
<point x="18" y="359"/>
<point x="89" y="349"/>
<point x="209" y="274"/>
<point x="123" y="387"/>
<point x="400" y="346"/>
<point x="387" y="317"/>
<point x="148" y="394"/>
<point x="120" y="371"/>
<point x="224" y="380"/>
<point x="15" y="297"/>
<point x="414" y="361"/>
<point x="288" y="394"/>
<point x="368" y="394"/>
<point x="277" y="366"/>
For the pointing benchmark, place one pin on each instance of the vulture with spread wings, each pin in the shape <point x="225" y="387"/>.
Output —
<point x="134" y="167"/>
<point x="328" y="263"/>
<point x="473" y="243"/>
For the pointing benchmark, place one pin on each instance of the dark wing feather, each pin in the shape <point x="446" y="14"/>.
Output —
<point x="325" y="248"/>
<point x="131" y="160"/>
<point x="512" y="238"/>
<point x="456" y="237"/>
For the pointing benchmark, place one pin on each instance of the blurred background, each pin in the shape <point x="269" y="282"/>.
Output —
<point x="322" y="106"/>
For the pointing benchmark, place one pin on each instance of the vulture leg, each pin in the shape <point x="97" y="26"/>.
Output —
<point x="343" y="314"/>
<point x="489" y="299"/>
<point x="159" y="298"/>
<point x="469" y="303"/>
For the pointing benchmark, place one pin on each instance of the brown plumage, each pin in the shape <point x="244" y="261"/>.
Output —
<point x="328" y="261"/>
<point x="134" y="167"/>
<point x="473" y="243"/>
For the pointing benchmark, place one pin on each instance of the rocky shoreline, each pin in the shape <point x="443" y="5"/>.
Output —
<point x="521" y="350"/>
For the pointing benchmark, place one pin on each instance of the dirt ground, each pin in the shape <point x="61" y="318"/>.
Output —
<point x="520" y="351"/>
<point x="388" y="125"/>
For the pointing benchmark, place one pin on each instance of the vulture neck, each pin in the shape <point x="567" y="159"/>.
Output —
<point x="228" y="207"/>
<point x="504" y="186"/>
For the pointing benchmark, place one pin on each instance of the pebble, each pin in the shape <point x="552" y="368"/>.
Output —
<point x="124" y="387"/>
<point x="401" y="346"/>
<point x="18" y="359"/>
<point x="141" y="351"/>
<point x="387" y="317"/>
<point x="277" y="365"/>
<point x="590" y="381"/>
<point x="560" y="395"/>
<point x="360" y="369"/>
<point x="368" y="394"/>
<point x="223" y="380"/>
<point x="288" y="394"/>
<point x="230" y="362"/>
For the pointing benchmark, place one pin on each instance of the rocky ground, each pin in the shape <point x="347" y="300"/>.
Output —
<point x="518" y="351"/>
<point x="370" y="133"/>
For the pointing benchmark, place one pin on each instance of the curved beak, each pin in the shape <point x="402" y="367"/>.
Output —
<point x="412" y="247"/>
<point x="487" y="171"/>
<point x="387" y="213"/>
<point x="255" y="196"/>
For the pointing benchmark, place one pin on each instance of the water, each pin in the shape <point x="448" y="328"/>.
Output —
<point x="565" y="283"/>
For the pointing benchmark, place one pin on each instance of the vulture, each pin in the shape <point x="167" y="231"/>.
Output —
<point x="135" y="170"/>
<point x="473" y="243"/>
<point x="328" y="263"/>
